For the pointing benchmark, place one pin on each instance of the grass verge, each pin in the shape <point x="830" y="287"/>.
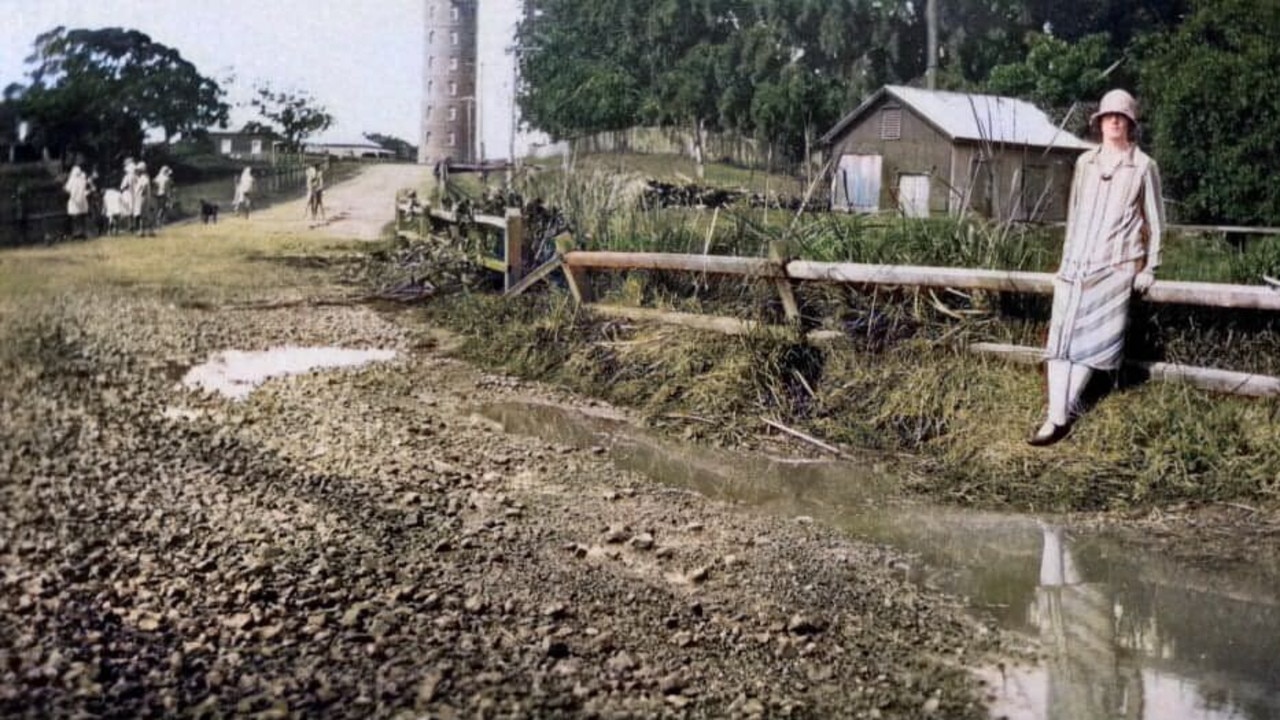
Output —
<point x="954" y="421"/>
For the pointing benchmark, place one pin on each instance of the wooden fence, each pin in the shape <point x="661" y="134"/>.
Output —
<point x="508" y="258"/>
<point x="782" y="271"/>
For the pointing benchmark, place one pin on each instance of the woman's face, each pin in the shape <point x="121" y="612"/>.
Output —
<point x="1115" y="128"/>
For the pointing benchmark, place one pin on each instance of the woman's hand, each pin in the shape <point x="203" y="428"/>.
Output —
<point x="1143" y="281"/>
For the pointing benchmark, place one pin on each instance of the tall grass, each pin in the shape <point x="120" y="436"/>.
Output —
<point x="900" y="379"/>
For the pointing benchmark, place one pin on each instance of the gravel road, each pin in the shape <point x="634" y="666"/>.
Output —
<point x="357" y="208"/>
<point x="360" y="543"/>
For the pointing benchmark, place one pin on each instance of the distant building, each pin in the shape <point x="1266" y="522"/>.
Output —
<point x="925" y="152"/>
<point x="242" y="145"/>
<point x="449" y="109"/>
<point x="348" y="150"/>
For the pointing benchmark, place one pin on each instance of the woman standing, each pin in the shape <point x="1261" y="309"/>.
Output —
<point x="244" y="192"/>
<point x="1112" y="248"/>
<point x="142" y="200"/>
<point x="77" y="189"/>
<point x="163" y="184"/>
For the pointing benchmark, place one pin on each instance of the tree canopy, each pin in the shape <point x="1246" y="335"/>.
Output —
<point x="784" y="71"/>
<point x="294" y="115"/>
<point x="1214" y="110"/>
<point x="100" y="91"/>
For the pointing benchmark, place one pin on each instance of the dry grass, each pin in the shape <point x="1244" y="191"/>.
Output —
<point x="231" y="261"/>
<point x="955" y="422"/>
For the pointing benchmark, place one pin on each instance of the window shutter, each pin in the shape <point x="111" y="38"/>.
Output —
<point x="891" y="123"/>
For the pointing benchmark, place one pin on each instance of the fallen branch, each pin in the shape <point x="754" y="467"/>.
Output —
<point x="302" y="302"/>
<point x="682" y="416"/>
<point x="807" y="438"/>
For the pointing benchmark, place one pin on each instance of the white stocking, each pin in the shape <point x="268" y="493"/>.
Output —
<point x="1080" y="375"/>
<point x="1058" y="374"/>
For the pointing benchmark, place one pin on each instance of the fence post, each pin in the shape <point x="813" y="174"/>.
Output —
<point x="780" y="253"/>
<point x="576" y="277"/>
<point x="513" y="247"/>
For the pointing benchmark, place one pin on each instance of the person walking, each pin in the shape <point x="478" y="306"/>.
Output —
<point x="142" y="203"/>
<point x="77" y="189"/>
<point x="163" y="185"/>
<point x="1115" y="221"/>
<point x="243" y="199"/>
<point x="126" y="191"/>
<point x="315" y="192"/>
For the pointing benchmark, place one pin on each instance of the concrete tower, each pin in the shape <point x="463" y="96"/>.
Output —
<point x="449" y="109"/>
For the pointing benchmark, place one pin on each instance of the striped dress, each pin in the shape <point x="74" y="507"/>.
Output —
<point x="1114" y="226"/>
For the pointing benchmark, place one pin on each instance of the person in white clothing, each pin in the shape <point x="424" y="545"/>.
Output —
<point x="126" y="190"/>
<point x="1115" y="220"/>
<point x="142" y="200"/>
<point x="243" y="200"/>
<point x="315" y="192"/>
<point x="163" y="192"/>
<point x="77" y="189"/>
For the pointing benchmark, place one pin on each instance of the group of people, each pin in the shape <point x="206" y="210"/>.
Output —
<point x="140" y="205"/>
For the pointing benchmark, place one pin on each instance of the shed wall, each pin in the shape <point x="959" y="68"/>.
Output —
<point x="1010" y="182"/>
<point x="920" y="150"/>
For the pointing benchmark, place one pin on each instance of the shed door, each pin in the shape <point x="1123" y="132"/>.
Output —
<point x="913" y="195"/>
<point x="1037" y="193"/>
<point x="856" y="185"/>
<point x="256" y="147"/>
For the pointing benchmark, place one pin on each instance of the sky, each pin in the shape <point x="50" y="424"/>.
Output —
<point x="362" y="60"/>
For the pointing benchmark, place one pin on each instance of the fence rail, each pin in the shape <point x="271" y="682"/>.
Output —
<point x="1255" y="297"/>
<point x="782" y="271"/>
<point x="508" y="260"/>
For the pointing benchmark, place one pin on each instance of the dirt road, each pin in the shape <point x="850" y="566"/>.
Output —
<point x="357" y="208"/>
<point x="361" y="542"/>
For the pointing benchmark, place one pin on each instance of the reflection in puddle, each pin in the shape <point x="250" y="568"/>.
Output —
<point x="235" y="373"/>
<point x="1125" y="633"/>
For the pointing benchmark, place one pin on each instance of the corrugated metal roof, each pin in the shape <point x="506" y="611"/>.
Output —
<point x="973" y="117"/>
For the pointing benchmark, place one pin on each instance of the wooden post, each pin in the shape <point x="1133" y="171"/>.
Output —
<point x="576" y="276"/>
<point x="513" y="248"/>
<point x="780" y="254"/>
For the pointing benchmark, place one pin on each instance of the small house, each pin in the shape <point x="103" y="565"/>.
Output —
<point x="242" y="145"/>
<point x="349" y="150"/>
<point x="929" y="152"/>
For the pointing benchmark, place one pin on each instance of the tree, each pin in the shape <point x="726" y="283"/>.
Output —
<point x="402" y="148"/>
<point x="101" y="90"/>
<point x="583" y="65"/>
<point x="1057" y="74"/>
<point x="1213" y="108"/>
<point x="294" y="115"/>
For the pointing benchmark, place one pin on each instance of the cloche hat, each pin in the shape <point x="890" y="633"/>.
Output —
<point x="1118" y="102"/>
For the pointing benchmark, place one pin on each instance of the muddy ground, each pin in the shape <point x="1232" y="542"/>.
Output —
<point x="362" y="543"/>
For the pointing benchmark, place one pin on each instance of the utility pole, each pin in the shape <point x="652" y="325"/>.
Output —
<point x="931" y="66"/>
<point x="511" y="137"/>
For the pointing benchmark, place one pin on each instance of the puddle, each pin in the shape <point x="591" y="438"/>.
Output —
<point x="1125" y="633"/>
<point x="235" y="373"/>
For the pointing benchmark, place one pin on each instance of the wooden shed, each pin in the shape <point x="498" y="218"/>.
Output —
<point x="929" y="152"/>
<point x="242" y="145"/>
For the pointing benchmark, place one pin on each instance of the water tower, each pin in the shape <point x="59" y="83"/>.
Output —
<point x="449" y="97"/>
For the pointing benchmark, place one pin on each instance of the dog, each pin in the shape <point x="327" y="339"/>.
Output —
<point x="208" y="212"/>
